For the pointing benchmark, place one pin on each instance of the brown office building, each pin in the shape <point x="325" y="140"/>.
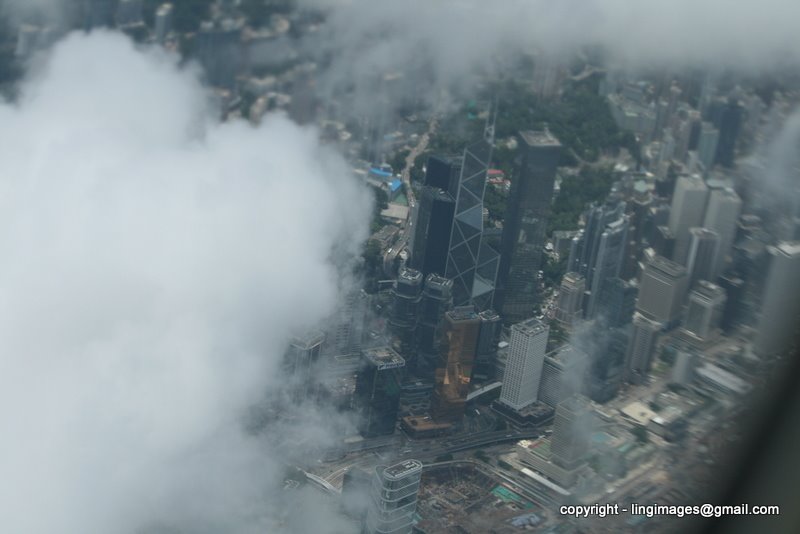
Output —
<point x="458" y="345"/>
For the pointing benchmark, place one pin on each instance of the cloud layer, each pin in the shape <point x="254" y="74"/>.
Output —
<point x="154" y="265"/>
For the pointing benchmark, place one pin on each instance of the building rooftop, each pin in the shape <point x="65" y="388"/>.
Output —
<point x="530" y="327"/>
<point x="567" y="354"/>
<point x="788" y="248"/>
<point x="384" y="358"/>
<point x="463" y="313"/>
<point x="308" y="340"/>
<point x="723" y="379"/>
<point x="403" y="469"/>
<point x="539" y="138"/>
<point x="668" y="267"/>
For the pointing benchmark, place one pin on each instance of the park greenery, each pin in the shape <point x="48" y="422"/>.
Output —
<point x="590" y="184"/>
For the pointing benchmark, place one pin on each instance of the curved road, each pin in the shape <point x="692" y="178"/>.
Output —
<point x="402" y="240"/>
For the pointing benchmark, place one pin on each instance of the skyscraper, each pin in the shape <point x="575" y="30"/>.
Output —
<point x="163" y="22"/>
<point x="599" y="251"/>
<point x="727" y="116"/>
<point x="563" y="374"/>
<point x="618" y="301"/>
<point x="608" y="351"/>
<point x="488" y="338"/>
<point x="394" y="498"/>
<point x="704" y="312"/>
<point x="217" y="46"/>
<point x="703" y="252"/>
<point x="722" y="214"/>
<point x="707" y="145"/>
<point x="435" y="213"/>
<point x="572" y="429"/>
<point x="570" y="298"/>
<point x="471" y="263"/>
<point x="524" y="363"/>
<point x="780" y="308"/>
<point x="377" y="394"/>
<point x="406" y="297"/>
<point x="687" y="211"/>
<point x="641" y="347"/>
<point x="662" y="291"/>
<point x="459" y="343"/>
<point x="525" y="224"/>
<point x="448" y="239"/>
<point x="608" y="262"/>
<point x="437" y="298"/>
<point x="299" y="364"/>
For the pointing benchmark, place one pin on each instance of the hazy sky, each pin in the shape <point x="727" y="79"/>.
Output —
<point x="154" y="263"/>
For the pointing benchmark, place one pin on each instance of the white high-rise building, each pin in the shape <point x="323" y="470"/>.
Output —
<point x="722" y="213"/>
<point x="524" y="364"/>
<point x="394" y="498"/>
<point x="780" y="308"/>
<point x="687" y="211"/>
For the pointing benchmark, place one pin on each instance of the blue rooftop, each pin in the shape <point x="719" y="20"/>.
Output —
<point x="395" y="185"/>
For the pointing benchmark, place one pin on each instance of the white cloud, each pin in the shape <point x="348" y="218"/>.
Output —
<point x="153" y="265"/>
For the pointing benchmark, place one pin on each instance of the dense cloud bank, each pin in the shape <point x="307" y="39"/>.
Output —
<point x="154" y="263"/>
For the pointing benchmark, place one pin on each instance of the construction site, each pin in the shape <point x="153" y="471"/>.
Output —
<point x="461" y="498"/>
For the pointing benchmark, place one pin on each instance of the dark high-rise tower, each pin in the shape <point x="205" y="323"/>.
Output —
<point x="525" y="224"/>
<point x="727" y="117"/>
<point x="406" y="297"/>
<point x="437" y="298"/>
<point x="448" y="239"/>
<point x="471" y="264"/>
<point x="377" y="394"/>
<point x="435" y="213"/>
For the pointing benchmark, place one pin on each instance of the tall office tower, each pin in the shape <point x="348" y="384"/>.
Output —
<point x="663" y="241"/>
<point x="618" y="302"/>
<point x="394" y="498"/>
<point x="356" y="485"/>
<point x="488" y="338"/>
<point x="471" y="263"/>
<point x="563" y="374"/>
<point x="525" y="224"/>
<point x="728" y="118"/>
<point x="548" y="73"/>
<point x="707" y="145"/>
<point x="129" y="12"/>
<point x="524" y="363"/>
<point x="704" y="312"/>
<point x="641" y="347"/>
<point x="448" y="239"/>
<point x="377" y="395"/>
<point x="299" y="364"/>
<point x="732" y="315"/>
<point x="572" y="430"/>
<point x="780" y="308"/>
<point x="345" y="329"/>
<point x="437" y="298"/>
<point x="703" y="252"/>
<point x="218" y="49"/>
<point x="687" y="211"/>
<point x="600" y="250"/>
<point x="435" y="213"/>
<point x="608" y="263"/>
<point x="607" y="363"/>
<point x="570" y="298"/>
<point x="662" y="290"/>
<point x="406" y="298"/>
<point x="459" y="343"/>
<point x="722" y="214"/>
<point x="163" y="24"/>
